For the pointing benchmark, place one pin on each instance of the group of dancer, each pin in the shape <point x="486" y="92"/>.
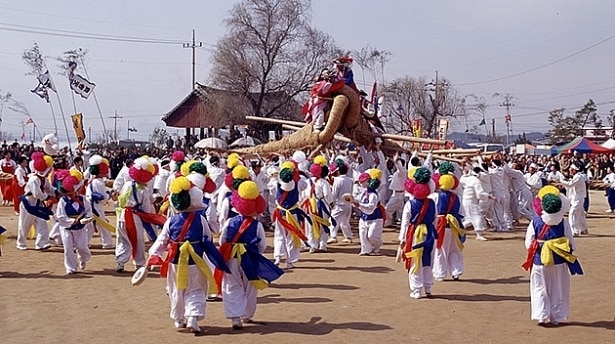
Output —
<point x="309" y="202"/>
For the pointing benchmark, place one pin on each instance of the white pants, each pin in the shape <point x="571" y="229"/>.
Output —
<point x="239" y="296"/>
<point x="370" y="234"/>
<point x="501" y="207"/>
<point x="189" y="302"/>
<point x="394" y="205"/>
<point x="474" y="216"/>
<point x="422" y="279"/>
<point x="576" y="217"/>
<point x="75" y="248"/>
<point x="123" y="248"/>
<point x="526" y="209"/>
<point x="448" y="258"/>
<point x="283" y="245"/>
<point x="341" y="214"/>
<point x="550" y="292"/>
<point x="26" y="220"/>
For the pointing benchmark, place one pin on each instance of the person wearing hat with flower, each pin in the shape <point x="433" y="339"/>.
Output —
<point x="187" y="239"/>
<point x="238" y="175"/>
<point x="242" y="244"/>
<point x="318" y="205"/>
<point x="288" y="233"/>
<point x="344" y="72"/>
<point x="448" y="258"/>
<point x="97" y="195"/>
<point x="73" y="214"/>
<point x="550" y="245"/>
<point x="576" y="191"/>
<point x="372" y="213"/>
<point x="32" y="210"/>
<point x="136" y="212"/>
<point x="417" y="235"/>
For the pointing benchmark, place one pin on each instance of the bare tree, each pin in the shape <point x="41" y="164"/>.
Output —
<point x="33" y="57"/>
<point x="270" y="48"/>
<point x="372" y="60"/>
<point x="408" y="99"/>
<point x="77" y="55"/>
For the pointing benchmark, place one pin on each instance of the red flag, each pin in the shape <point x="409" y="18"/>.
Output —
<point x="30" y="121"/>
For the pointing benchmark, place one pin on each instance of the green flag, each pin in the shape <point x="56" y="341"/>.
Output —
<point x="482" y="122"/>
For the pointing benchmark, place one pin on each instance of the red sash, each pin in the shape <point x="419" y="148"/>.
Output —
<point x="531" y="251"/>
<point x="227" y="248"/>
<point x="442" y="221"/>
<point x="410" y="232"/>
<point x="277" y="216"/>
<point x="174" y="247"/>
<point x="131" y="227"/>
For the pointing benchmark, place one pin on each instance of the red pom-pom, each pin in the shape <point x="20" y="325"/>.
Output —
<point x="103" y="169"/>
<point x="140" y="176"/>
<point x="61" y="174"/>
<point x="70" y="184"/>
<point x="537" y="206"/>
<point x="436" y="178"/>
<point x="210" y="186"/>
<point x="421" y="191"/>
<point x="260" y="204"/>
<point x="316" y="170"/>
<point x="363" y="177"/>
<point x="178" y="156"/>
<point x="228" y="181"/>
<point x="37" y="155"/>
<point x="40" y="165"/>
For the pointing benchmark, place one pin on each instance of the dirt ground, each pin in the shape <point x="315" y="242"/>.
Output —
<point x="335" y="297"/>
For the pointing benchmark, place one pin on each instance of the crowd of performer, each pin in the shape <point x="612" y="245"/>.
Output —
<point x="186" y="204"/>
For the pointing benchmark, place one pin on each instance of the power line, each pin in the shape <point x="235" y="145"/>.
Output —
<point x="541" y="66"/>
<point x="85" y="35"/>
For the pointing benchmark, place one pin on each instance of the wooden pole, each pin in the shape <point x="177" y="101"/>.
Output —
<point x="456" y="151"/>
<point x="275" y="120"/>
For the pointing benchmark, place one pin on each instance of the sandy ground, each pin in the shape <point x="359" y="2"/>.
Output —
<point x="335" y="297"/>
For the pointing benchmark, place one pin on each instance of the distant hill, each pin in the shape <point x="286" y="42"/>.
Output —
<point x="534" y="137"/>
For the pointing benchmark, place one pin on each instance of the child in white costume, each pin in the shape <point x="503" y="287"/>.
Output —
<point x="97" y="195"/>
<point x="32" y="210"/>
<point x="550" y="243"/>
<point x="318" y="205"/>
<point x="188" y="238"/>
<point x="72" y="215"/>
<point x="417" y="234"/>
<point x="137" y="210"/>
<point x="448" y="258"/>
<point x="372" y="213"/>
<point x="242" y="243"/>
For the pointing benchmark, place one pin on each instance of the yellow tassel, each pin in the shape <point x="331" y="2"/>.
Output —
<point x="420" y="233"/>
<point x="32" y="233"/>
<point x="260" y="284"/>
<point x="456" y="230"/>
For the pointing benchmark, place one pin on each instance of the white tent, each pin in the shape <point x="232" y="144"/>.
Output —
<point x="610" y="144"/>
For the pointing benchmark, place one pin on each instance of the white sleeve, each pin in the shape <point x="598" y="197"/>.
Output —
<point x="405" y="221"/>
<point x="260" y="232"/>
<point x="530" y="235"/>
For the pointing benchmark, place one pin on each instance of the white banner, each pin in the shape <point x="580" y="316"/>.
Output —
<point x="81" y="86"/>
<point x="442" y="129"/>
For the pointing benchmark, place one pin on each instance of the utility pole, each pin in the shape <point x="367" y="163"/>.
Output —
<point x="115" y="118"/>
<point x="90" y="134"/>
<point x="437" y="99"/>
<point x="508" y="104"/>
<point x="493" y="129"/>
<point x="128" y="132"/>
<point x="193" y="45"/>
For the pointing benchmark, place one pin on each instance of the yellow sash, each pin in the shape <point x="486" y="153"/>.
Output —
<point x="317" y="221"/>
<point x="239" y="249"/>
<point x="104" y="224"/>
<point x="456" y="230"/>
<point x="293" y="221"/>
<point x="558" y="246"/>
<point x="420" y="233"/>
<point x="186" y="251"/>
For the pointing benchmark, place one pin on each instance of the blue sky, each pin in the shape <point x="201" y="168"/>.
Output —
<point x="546" y="54"/>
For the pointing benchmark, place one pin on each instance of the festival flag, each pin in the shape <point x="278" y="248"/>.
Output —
<point x="442" y="129"/>
<point x="30" y="121"/>
<point x="482" y="122"/>
<point x="41" y="91"/>
<point x="78" y="126"/>
<point x="417" y="127"/>
<point x="45" y="80"/>
<point x="79" y="84"/>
